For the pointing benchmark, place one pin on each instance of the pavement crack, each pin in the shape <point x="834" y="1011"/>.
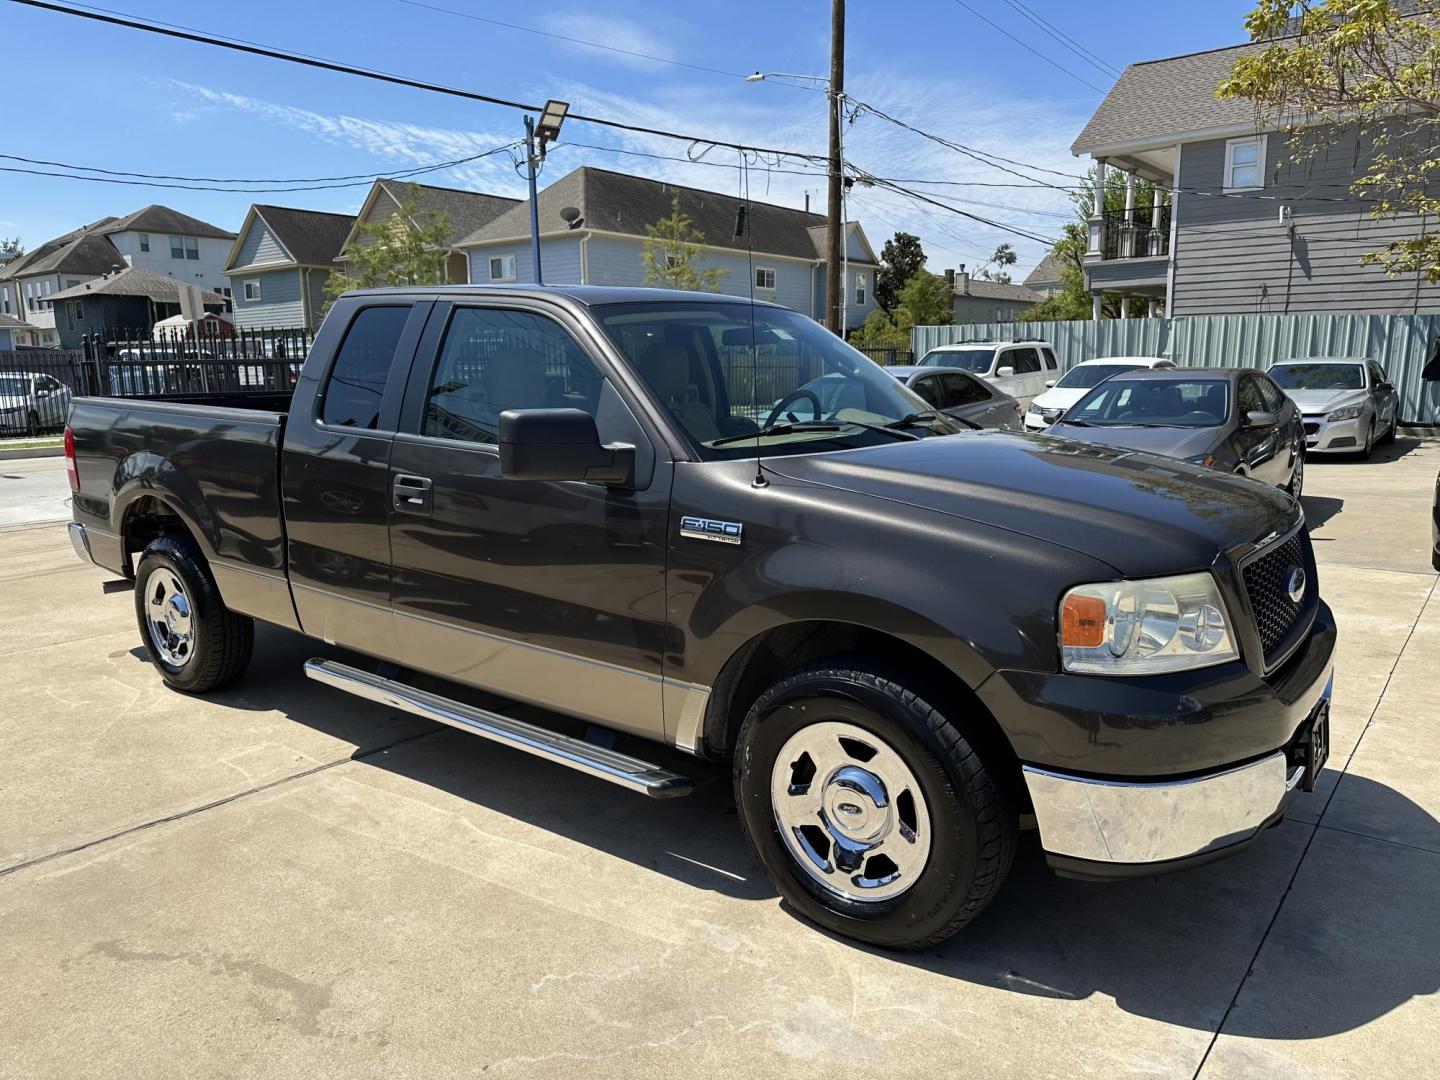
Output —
<point x="213" y="804"/>
<point x="1314" y="831"/>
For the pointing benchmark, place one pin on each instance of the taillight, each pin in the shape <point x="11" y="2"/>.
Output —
<point x="71" y="473"/>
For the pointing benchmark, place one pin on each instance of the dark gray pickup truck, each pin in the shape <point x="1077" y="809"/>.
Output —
<point x="630" y="507"/>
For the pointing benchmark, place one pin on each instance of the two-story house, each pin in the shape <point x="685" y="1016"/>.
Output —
<point x="464" y="212"/>
<point x="1242" y="229"/>
<point x="157" y="238"/>
<point x="279" y="263"/>
<point x="593" y="231"/>
<point x="977" y="300"/>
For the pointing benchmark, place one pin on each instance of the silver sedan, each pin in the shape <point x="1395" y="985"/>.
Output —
<point x="958" y="393"/>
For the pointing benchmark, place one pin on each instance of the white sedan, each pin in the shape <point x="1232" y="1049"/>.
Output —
<point x="31" y="402"/>
<point x="1079" y="381"/>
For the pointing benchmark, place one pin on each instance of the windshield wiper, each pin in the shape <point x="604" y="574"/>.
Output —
<point x="1075" y="423"/>
<point x="803" y="426"/>
<point x="919" y="419"/>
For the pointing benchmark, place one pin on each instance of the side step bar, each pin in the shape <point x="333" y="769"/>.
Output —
<point x="578" y="754"/>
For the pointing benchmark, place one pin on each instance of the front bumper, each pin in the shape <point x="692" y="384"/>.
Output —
<point x="1039" y="423"/>
<point x="1322" y="436"/>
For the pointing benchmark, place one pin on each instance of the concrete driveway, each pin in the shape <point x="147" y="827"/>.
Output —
<point x="283" y="881"/>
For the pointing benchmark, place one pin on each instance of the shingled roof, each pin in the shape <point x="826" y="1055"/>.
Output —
<point x="312" y="237"/>
<point x="10" y="322"/>
<point x="620" y="203"/>
<point x="162" y="219"/>
<point x="1048" y="272"/>
<point x="134" y="281"/>
<point x="996" y="290"/>
<point x="465" y="211"/>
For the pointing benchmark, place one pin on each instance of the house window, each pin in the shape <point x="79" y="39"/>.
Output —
<point x="1245" y="163"/>
<point x="502" y="268"/>
<point x="672" y="261"/>
<point x="29" y="297"/>
<point x="144" y="241"/>
<point x="252" y="291"/>
<point x="177" y="247"/>
<point x="192" y="248"/>
<point x="79" y="306"/>
<point x="860" y="290"/>
<point x="764" y="277"/>
<point x="4" y="301"/>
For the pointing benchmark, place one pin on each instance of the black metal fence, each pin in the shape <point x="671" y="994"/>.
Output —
<point x="1137" y="234"/>
<point x="890" y="357"/>
<point x="37" y="385"/>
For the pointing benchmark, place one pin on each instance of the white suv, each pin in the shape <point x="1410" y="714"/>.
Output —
<point x="1077" y="382"/>
<point x="1020" y="368"/>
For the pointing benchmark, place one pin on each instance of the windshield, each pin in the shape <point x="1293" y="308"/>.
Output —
<point x="976" y="361"/>
<point x="1088" y="375"/>
<point x="803" y="385"/>
<point x="1319" y="376"/>
<point x="1122" y="402"/>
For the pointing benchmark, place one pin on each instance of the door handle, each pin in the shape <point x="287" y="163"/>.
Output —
<point x="412" y="494"/>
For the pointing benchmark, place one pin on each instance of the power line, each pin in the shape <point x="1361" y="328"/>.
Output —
<point x="915" y="195"/>
<point x="172" y="30"/>
<point x="1065" y="40"/>
<point x="1053" y="63"/>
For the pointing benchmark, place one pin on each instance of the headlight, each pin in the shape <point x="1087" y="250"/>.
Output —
<point x="1145" y="627"/>
<point x="1349" y="412"/>
<point x="1035" y="410"/>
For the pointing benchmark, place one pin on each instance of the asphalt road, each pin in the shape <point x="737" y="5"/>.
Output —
<point x="283" y="881"/>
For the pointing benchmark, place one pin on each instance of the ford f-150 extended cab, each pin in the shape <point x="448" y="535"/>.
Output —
<point x="912" y="639"/>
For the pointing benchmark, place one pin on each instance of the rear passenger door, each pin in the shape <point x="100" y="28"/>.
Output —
<point x="970" y="399"/>
<point x="335" y="474"/>
<point x="551" y="592"/>
<point x="1028" y="379"/>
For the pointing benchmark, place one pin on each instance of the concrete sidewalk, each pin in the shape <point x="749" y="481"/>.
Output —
<point x="282" y="881"/>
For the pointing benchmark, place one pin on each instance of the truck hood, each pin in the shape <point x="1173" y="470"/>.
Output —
<point x="1324" y="401"/>
<point x="1143" y="515"/>
<point x="1174" y="442"/>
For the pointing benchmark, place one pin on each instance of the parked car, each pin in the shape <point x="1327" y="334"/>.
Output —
<point x="966" y="397"/>
<point x="1345" y="403"/>
<point x="1071" y="387"/>
<point x="906" y="644"/>
<point x="32" y="402"/>
<point x="1020" y="368"/>
<point x="1232" y="419"/>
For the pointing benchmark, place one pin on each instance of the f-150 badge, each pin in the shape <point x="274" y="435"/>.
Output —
<point x="722" y="532"/>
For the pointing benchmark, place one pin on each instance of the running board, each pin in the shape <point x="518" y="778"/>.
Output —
<point x="577" y="754"/>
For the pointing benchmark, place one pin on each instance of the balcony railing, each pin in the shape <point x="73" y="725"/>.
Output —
<point x="1136" y="234"/>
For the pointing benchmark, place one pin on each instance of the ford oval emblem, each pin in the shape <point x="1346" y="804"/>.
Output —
<point x="1295" y="584"/>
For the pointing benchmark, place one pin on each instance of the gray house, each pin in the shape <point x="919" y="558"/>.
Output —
<point x="1242" y="230"/>
<point x="592" y="232"/>
<point x="1046" y="279"/>
<point x="278" y="265"/>
<point x="131" y="301"/>
<point x="975" y="300"/>
<point x="16" y="333"/>
<point x="465" y="212"/>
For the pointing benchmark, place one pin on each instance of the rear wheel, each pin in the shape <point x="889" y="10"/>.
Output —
<point x="870" y="810"/>
<point x="1297" y="477"/>
<point x="32" y="424"/>
<point x="195" y="642"/>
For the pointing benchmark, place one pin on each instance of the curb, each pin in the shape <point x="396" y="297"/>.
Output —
<point x="32" y="452"/>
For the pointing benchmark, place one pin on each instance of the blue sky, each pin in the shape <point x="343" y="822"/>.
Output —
<point x="119" y="99"/>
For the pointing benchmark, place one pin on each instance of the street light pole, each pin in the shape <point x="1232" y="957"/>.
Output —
<point x="834" y="286"/>
<point x="534" y="203"/>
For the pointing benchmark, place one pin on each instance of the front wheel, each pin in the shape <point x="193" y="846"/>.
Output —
<point x="195" y="642"/>
<point x="1369" y="447"/>
<point x="871" y="811"/>
<point x="1391" y="431"/>
<point x="32" y="424"/>
<point x="1297" y="476"/>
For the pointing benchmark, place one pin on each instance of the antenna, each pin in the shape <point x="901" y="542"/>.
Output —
<point x="742" y="224"/>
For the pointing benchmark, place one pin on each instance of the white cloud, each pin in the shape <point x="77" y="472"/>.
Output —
<point x="609" y="30"/>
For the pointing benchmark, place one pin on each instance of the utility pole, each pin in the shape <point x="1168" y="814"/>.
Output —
<point x="834" y="286"/>
<point x="534" y="204"/>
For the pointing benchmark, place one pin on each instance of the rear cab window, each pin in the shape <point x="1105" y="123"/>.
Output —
<point x="355" y="386"/>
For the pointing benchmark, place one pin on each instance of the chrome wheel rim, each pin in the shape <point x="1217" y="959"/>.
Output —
<point x="168" y="618"/>
<point x="850" y="812"/>
<point x="1297" y="479"/>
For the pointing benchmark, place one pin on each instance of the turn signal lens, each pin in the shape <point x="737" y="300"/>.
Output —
<point x="71" y="473"/>
<point x="1082" y="621"/>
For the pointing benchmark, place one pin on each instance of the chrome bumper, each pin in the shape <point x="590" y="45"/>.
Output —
<point x="80" y="542"/>
<point x="1111" y="821"/>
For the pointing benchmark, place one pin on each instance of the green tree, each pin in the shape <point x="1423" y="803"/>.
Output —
<point x="407" y="248"/>
<point x="926" y="298"/>
<point x="995" y="268"/>
<point x="900" y="259"/>
<point x="884" y="330"/>
<point x="1361" y="68"/>
<point x="672" y="245"/>
<point x="10" y="248"/>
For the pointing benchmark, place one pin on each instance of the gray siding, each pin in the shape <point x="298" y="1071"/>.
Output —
<point x="980" y="309"/>
<point x="258" y="247"/>
<point x="279" y="303"/>
<point x="1233" y="256"/>
<point x="559" y="259"/>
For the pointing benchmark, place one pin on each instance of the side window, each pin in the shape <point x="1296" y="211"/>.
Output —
<point x="1050" y="363"/>
<point x="493" y="360"/>
<point x="1024" y="361"/>
<point x="1250" y="399"/>
<point x="963" y="390"/>
<point x="1274" y="399"/>
<point x="929" y="390"/>
<point x="357" y="381"/>
<point x="1377" y="376"/>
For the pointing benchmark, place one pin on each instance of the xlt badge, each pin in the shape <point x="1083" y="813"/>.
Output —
<point x="722" y="532"/>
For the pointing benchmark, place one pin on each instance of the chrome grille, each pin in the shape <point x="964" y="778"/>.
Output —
<point x="1267" y="580"/>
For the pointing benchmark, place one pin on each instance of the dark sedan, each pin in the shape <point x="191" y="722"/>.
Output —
<point x="1232" y="419"/>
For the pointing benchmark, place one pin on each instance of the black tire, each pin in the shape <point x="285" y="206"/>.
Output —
<point x="1296" y="487"/>
<point x="1390" y="432"/>
<point x="1369" y="447"/>
<point x="32" y="424"/>
<point x="220" y="642"/>
<point x="972" y="816"/>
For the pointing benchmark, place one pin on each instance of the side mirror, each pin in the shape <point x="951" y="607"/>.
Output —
<point x="1049" y="383"/>
<point x="559" y="444"/>
<point x="1004" y="372"/>
<point x="1261" y="419"/>
<point x="1385" y="386"/>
